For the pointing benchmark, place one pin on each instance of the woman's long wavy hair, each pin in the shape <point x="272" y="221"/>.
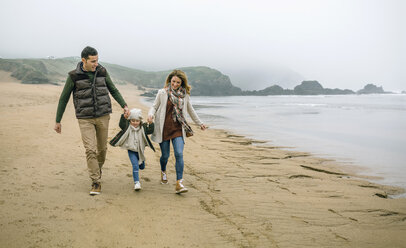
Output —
<point x="182" y="75"/>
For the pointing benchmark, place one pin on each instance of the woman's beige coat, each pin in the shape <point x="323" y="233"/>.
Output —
<point x="158" y="111"/>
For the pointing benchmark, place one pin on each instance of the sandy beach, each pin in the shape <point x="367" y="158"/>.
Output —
<point x="242" y="193"/>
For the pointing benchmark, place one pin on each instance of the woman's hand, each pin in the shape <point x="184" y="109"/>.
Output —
<point x="203" y="127"/>
<point x="150" y="119"/>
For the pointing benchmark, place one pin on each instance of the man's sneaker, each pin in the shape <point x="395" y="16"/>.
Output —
<point x="179" y="187"/>
<point x="96" y="189"/>
<point x="164" y="179"/>
<point x="137" y="186"/>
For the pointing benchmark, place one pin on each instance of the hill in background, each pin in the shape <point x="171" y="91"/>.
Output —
<point x="205" y="81"/>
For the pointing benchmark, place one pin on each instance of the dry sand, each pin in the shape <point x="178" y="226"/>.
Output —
<point x="241" y="192"/>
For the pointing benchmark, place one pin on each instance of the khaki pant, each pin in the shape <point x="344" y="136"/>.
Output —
<point x="94" y="136"/>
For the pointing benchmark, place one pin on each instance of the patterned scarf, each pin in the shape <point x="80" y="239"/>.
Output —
<point x="177" y="98"/>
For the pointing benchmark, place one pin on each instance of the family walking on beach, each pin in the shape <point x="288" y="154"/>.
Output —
<point x="90" y="85"/>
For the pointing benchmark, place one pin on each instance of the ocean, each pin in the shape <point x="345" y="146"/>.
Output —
<point x="364" y="131"/>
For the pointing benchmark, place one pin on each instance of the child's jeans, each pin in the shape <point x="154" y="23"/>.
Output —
<point x="177" y="144"/>
<point x="136" y="167"/>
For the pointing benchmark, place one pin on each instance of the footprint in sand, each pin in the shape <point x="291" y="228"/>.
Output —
<point x="146" y="179"/>
<point x="68" y="208"/>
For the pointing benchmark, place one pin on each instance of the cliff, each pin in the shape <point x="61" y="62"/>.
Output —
<point x="305" y="88"/>
<point x="204" y="80"/>
<point x="371" y="89"/>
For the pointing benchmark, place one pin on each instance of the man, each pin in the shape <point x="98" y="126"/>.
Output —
<point x="90" y="85"/>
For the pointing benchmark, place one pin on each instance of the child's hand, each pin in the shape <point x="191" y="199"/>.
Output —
<point x="150" y="119"/>
<point x="126" y="114"/>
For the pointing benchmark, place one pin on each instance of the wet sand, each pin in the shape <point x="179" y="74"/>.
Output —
<point x="242" y="193"/>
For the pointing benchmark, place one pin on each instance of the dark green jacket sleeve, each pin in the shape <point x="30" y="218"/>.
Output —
<point x="124" y="123"/>
<point x="64" y="99"/>
<point x="114" y="92"/>
<point x="149" y="128"/>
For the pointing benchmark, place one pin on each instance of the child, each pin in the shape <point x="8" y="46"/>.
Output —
<point x="134" y="138"/>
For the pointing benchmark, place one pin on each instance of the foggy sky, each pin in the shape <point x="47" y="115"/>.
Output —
<point x="342" y="43"/>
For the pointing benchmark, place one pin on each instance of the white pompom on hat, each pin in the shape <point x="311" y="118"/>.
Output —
<point x="135" y="114"/>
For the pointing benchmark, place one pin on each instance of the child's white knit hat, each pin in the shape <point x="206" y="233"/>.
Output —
<point x="135" y="114"/>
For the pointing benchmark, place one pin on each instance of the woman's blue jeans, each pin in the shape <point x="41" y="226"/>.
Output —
<point x="178" y="145"/>
<point x="134" y="158"/>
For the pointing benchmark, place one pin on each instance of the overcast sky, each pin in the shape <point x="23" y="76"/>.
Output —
<point x="342" y="43"/>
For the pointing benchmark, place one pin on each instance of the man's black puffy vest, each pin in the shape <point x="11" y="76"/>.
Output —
<point x="91" y="99"/>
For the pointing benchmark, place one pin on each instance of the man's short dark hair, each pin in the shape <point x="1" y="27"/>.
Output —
<point x="88" y="51"/>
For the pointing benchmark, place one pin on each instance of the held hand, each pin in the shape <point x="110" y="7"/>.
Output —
<point x="126" y="111"/>
<point x="58" y="127"/>
<point x="150" y="119"/>
<point x="203" y="127"/>
<point x="126" y="114"/>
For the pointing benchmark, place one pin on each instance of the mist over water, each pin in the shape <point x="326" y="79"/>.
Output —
<point x="342" y="44"/>
<point x="366" y="131"/>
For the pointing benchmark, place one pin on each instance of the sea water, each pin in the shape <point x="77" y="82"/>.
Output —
<point x="367" y="131"/>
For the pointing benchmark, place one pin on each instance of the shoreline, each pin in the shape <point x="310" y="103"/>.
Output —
<point x="339" y="167"/>
<point x="348" y="168"/>
<point x="349" y="165"/>
<point x="242" y="193"/>
<point x="334" y="128"/>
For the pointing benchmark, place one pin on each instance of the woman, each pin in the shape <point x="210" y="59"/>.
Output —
<point x="169" y="109"/>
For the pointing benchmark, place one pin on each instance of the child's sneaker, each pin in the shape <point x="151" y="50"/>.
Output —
<point x="137" y="186"/>
<point x="164" y="179"/>
<point x="179" y="187"/>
